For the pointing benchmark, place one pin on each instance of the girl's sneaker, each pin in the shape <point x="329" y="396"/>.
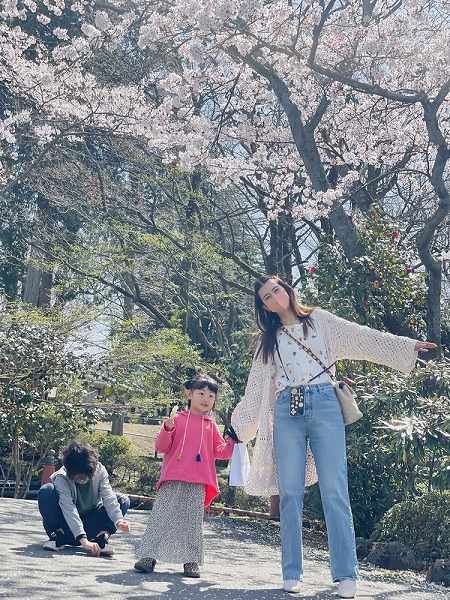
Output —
<point x="346" y="588"/>
<point x="145" y="565"/>
<point x="191" y="569"/>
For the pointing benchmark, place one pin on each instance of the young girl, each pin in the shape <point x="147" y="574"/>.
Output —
<point x="191" y="443"/>
<point x="286" y="365"/>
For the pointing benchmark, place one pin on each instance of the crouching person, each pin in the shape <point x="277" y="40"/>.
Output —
<point x="79" y="507"/>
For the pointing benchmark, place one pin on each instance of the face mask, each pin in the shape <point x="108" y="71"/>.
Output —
<point x="280" y="300"/>
<point x="283" y="302"/>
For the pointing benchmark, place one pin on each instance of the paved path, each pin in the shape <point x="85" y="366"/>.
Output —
<point x="242" y="562"/>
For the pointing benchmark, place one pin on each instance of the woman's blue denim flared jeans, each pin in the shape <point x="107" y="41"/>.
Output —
<point x="323" y="426"/>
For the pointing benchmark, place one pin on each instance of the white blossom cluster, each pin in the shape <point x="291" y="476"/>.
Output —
<point x="229" y="73"/>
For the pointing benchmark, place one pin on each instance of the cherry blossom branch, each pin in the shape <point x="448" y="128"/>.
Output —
<point x="334" y="75"/>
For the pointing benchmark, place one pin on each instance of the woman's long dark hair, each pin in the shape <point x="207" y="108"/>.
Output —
<point x="269" y="322"/>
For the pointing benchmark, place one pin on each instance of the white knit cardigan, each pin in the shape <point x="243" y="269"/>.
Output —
<point x="253" y="416"/>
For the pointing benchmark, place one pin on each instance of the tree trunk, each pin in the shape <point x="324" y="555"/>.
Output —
<point x="17" y="464"/>
<point x="27" y="480"/>
<point x="38" y="283"/>
<point x="32" y="284"/>
<point x="279" y="259"/>
<point x="439" y="216"/>
<point x="7" y="476"/>
<point x="45" y="290"/>
<point x="128" y="308"/>
<point x="434" y="284"/>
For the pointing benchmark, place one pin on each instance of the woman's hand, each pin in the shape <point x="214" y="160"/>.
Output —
<point x="424" y="346"/>
<point x="169" y="424"/>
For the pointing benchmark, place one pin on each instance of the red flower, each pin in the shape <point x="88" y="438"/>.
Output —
<point x="395" y="234"/>
<point x="409" y="269"/>
<point x="312" y="269"/>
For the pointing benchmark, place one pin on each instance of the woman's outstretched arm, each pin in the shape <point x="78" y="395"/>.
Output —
<point x="349" y="340"/>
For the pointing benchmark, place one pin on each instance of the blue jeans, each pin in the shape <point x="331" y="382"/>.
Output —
<point x="322" y="424"/>
<point x="56" y="527"/>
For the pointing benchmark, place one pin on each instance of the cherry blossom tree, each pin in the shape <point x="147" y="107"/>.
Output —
<point x="320" y="108"/>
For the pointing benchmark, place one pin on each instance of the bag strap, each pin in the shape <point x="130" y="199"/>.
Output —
<point x="314" y="356"/>
<point x="281" y="360"/>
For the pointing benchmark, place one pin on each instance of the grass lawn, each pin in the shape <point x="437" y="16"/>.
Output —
<point x="142" y="436"/>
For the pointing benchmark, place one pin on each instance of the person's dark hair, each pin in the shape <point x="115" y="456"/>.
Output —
<point x="80" y="460"/>
<point x="269" y="322"/>
<point x="200" y="382"/>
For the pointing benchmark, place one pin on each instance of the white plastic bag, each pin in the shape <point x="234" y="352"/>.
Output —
<point x="239" y="466"/>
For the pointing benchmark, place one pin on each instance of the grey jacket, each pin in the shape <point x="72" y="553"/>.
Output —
<point x="67" y="493"/>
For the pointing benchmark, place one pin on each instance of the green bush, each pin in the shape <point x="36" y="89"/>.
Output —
<point x="374" y="489"/>
<point x="391" y="463"/>
<point x="422" y="524"/>
<point x="113" y="450"/>
<point x="148" y="476"/>
<point x="236" y="497"/>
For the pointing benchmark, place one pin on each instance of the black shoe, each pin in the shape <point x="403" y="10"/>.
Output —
<point x="59" y="538"/>
<point x="145" y="565"/>
<point x="191" y="570"/>
<point x="101" y="539"/>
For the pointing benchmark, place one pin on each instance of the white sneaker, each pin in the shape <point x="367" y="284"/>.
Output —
<point x="346" y="588"/>
<point x="51" y="545"/>
<point x="292" y="586"/>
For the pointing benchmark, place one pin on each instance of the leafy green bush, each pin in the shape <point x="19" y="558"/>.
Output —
<point x="113" y="450"/>
<point x="380" y="282"/>
<point x="148" y="476"/>
<point x="423" y="524"/>
<point x="237" y="498"/>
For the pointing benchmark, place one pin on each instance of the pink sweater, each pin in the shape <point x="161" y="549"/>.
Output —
<point x="194" y="437"/>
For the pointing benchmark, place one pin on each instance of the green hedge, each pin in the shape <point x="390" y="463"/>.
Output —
<point x="422" y="524"/>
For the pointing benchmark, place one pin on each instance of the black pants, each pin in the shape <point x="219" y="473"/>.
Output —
<point x="55" y="525"/>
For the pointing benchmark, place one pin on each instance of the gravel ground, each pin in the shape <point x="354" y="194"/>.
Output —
<point x="242" y="562"/>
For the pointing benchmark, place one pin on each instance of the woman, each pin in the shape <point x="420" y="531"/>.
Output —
<point x="293" y="337"/>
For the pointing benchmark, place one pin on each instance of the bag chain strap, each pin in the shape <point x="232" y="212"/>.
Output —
<point x="311" y="353"/>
